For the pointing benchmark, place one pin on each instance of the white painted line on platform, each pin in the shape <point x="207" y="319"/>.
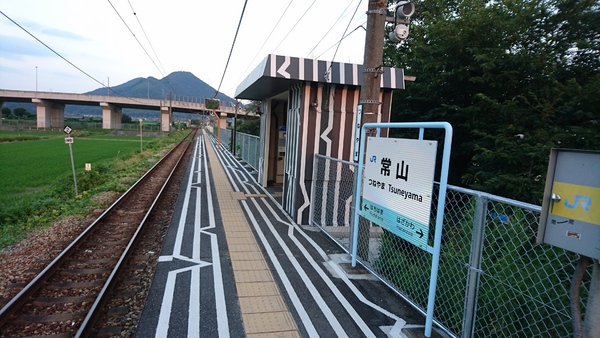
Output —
<point x="341" y="298"/>
<point x="331" y="318"/>
<point x="220" y="303"/>
<point x="304" y="317"/>
<point x="195" y="286"/>
<point x="194" y="305"/>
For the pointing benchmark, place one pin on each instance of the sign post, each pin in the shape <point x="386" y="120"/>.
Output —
<point x="397" y="215"/>
<point x="69" y="141"/>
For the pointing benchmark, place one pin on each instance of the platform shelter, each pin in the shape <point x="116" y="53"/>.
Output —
<point x="308" y="107"/>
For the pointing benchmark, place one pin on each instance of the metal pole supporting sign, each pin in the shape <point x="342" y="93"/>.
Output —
<point x="398" y="191"/>
<point x="69" y="141"/>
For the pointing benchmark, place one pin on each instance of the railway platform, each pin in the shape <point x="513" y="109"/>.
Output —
<point x="234" y="265"/>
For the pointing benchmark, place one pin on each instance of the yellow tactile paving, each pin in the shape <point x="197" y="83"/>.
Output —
<point x="263" y="304"/>
<point x="257" y="289"/>
<point x="287" y="334"/>
<point x="245" y="256"/>
<point x="268" y="322"/>
<point x="249" y="265"/>
<point x="263" y="310"/>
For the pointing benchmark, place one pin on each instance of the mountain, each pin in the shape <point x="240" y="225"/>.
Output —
<point x="182" y="85"/>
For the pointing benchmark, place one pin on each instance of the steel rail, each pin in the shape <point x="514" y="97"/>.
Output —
<point x="36" y="284"/>
<point x="88" y="323"/>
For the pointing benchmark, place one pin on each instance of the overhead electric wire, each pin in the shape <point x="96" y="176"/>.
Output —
<point x="65" y="59"/>
<point x="330" y="28"/>
<point x="146" y="35"/>
<point x="232" y="45"/>
<point x="347" y="35"/>
<point x="343" y="35"/>
<point x="139" y="43"/>
<point x="265" y="42"/>
<point x="296" y="24"/>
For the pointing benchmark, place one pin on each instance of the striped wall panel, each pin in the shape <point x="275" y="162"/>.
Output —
<point x="326" y="126"/>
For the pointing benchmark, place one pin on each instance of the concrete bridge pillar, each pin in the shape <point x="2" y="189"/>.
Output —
<point x="111" y="116"/>
<point x="49" y="114"/>
<point x="165" y="119"/>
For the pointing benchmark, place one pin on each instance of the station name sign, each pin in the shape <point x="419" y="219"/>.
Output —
<point x="398" y="186"/>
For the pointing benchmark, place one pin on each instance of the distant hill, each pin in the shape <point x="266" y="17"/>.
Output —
<point x="180" y="84"/>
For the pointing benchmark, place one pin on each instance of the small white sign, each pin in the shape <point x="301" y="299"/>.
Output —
<point x="88" y="166"/>
<point x="357" y="132"/>
<point x="68" y="140"/>
<point x="398" y="186"/>
<point x="68" y="130"/>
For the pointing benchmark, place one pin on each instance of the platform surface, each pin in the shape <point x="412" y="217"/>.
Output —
<point x="235" y="265"/>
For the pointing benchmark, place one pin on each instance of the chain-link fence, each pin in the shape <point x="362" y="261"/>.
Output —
<point x="493" y="279"/>
<point x="248" y="148"/>
<point x="225" y="137"/>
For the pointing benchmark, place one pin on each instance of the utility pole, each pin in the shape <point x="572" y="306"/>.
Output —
<point x="373" y="61"/>
<point x="369" y="104"/>
<point x="369" y="92"/>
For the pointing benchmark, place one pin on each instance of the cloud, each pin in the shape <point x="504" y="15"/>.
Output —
<point x="16" y="48"/>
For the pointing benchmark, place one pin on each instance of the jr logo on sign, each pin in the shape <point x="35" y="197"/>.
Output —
<point x="585" y="201"/>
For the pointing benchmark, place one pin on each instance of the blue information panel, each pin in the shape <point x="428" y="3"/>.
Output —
<point x="400" y="225"/>
<point x="398" y="186"/>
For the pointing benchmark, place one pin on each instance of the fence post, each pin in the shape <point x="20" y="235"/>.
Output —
<point x="313" y="189"/>
<point x="474" y="265"/>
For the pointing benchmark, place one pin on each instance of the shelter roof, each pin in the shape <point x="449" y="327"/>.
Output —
<point x="276" y="73"/>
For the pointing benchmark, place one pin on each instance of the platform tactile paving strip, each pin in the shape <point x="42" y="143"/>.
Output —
<point x="263" y="311"/>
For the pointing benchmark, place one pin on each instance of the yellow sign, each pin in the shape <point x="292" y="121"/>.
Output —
<point x="578" y="202"/>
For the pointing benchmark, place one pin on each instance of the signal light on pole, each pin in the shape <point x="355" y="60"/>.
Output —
<point x="404" y="10"/>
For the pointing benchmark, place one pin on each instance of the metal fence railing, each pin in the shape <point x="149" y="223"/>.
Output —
<point x="77" y="125"/>
<point x="248" y="148"/>
<point x="225" y="137"/>
<point x="493" y="279"/>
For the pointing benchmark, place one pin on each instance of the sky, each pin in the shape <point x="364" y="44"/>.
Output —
<point x="111" y="45"/>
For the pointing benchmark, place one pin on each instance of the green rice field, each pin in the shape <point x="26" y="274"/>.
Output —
<point x="29" y="165"/>
<point x="36" y="181"/>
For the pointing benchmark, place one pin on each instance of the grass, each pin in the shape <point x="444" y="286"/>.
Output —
<point x="34" y="164"/>
<point x="36" y="182"/>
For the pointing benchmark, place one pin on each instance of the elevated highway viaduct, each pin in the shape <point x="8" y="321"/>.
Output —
<point x="50" y="107"/>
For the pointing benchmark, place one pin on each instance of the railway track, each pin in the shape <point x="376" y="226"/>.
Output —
<point x="68" y="296"/>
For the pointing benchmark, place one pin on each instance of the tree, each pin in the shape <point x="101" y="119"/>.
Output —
<point x="126" y="118"/>
<point x="249" y="126"/>
<point x="6" y="112"/>
<point x="514" y="78"/>
<point x="21" y="112"/>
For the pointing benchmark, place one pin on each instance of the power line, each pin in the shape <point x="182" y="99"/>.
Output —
<point x="265" y="42"/>
<point x="139" y="43"/>
<point x="347" y="35"/>
<point x="339" y="43"/>
<point x="338" y="46"/>
<point x="146" y="35"/>
<point x="232" y="45"/>
<point x="65" y="59"/>
<point x="296" y="24"/>
<point x="330" y="28"/>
